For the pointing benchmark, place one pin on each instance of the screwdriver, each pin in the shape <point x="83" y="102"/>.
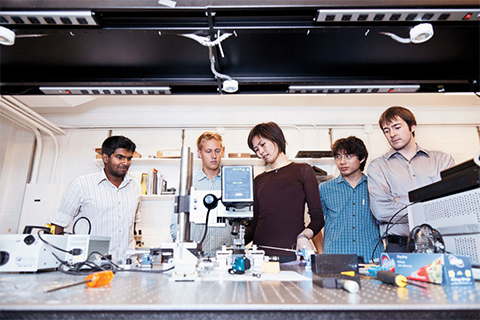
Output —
<point x="93" y="280"/>
<point x="392" y="278"/>
<point x="395" y="279"/>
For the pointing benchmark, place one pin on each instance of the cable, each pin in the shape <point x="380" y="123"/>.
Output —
<point x="146" y="271"/>
<point x="80" y="268"/>
<point x="205" y="232"/>
<point x="89" y="225"/>
<point x="389" y="226"/>
<point x="229" y="85"/>
<point x="212" y="67"/>
<point x="205" y="41"/>
<point x="74" y="251"/>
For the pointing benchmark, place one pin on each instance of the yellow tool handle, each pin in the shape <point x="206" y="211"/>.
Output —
<point x="392" y="278"/>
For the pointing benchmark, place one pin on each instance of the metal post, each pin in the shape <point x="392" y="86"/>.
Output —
<point x="182" y="203"/>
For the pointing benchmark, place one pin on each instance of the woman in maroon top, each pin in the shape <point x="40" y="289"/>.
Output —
<point x="280" y="194"/>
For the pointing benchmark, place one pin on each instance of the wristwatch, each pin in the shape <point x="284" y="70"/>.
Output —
<point x="302" y="235"/>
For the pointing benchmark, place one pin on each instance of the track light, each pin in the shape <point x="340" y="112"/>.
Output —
<point x="418" y="34"/>
<point x="421" y="33"/>
<point x="230" y="86"/>
<point x="7" y="36"/>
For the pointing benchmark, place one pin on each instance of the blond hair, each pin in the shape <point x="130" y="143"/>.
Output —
<point x="206" y="136"/>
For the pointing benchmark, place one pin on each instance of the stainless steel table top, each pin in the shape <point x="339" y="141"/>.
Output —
<point x="136" y="291"/>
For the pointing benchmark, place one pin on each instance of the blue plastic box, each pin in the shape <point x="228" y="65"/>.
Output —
<point x="445" y="269"/>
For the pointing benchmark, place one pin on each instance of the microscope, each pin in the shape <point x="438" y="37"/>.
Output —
<point x="232" y="204"/>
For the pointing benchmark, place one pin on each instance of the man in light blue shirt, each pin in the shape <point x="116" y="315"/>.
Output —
<point x="209" y="149"/>
<point x="350" y="227"/>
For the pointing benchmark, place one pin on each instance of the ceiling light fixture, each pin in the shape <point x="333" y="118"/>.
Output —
<point x="229" y="85"/>
<point x="418" y="34"/>
<point x="7" y="36"/>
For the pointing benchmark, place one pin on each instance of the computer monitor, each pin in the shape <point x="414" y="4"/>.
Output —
<point x="237" y="186"/>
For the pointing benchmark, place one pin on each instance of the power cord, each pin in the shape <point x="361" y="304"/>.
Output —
<point x="73" y="252"/>
<point x="89" y="224"/>
<point x="199" y="245"/>
<point x="210" y="201"/>
<point x="81" y="268"/>
<point x="389" y="226"/>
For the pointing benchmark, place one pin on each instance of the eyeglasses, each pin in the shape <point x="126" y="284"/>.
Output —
<point x="345" y="156"/>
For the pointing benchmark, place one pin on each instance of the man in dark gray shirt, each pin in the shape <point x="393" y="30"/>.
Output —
<point x="406" y="167"/>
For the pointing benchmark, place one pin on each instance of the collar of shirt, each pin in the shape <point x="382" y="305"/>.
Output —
<point x="202" y="176"/>
<point x="103" y="177"/>
<point x="341" y="179"/>
<point x="392" y="152"/>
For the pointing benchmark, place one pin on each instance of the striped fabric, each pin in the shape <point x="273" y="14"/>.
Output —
<point x="112" y="211"/>
<point x="350" y="227"/>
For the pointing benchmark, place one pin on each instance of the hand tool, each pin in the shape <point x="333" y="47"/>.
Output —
<point x="391" y="277"/>
<point x="93" y="280"/>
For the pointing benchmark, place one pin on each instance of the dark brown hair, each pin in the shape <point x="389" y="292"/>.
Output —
<point x="270" y="131"/>
<point x="397" y="112"/>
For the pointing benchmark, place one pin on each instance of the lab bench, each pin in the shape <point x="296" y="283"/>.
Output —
<point x="290" y="295"/>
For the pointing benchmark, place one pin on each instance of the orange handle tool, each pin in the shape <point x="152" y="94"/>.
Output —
<point x="93" y="280"/>
<point x="99" y="279"/>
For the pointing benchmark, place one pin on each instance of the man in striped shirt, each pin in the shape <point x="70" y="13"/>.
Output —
<point x="350" y="227"/>
<point x="106" y="200"/>
<point x="209" y="149"/>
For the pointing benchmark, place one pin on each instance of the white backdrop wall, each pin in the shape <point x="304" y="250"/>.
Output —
<point x="446" y="123"/>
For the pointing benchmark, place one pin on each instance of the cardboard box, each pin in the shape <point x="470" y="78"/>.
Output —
<point x="445" y="269"/>
<point x="169" y="154"/>
<point x="239" y="155"/>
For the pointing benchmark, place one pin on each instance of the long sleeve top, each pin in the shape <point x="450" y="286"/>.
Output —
<point x="391" y="177"/>
<point x="111" y="211"/>
<point x="279" y="206"/>
<point x="350" y="227"/>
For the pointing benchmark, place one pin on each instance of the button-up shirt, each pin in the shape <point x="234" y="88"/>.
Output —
<point x="392" y="176"/>
<point x="111" y="211"/>
<point x="350" y="227"/>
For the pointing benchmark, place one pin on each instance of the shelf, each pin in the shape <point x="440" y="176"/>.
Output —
<point x="176" y="162"/>
<point x="313" y="161"/>
<point x="151" y="162"/>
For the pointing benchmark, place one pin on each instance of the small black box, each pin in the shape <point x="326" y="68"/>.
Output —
<point x="334" y="263"/>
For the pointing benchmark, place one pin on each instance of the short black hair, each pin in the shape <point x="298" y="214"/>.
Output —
<point x="270" y="131"/>
<point x="351" y="145"/>
<point x="114" y="142"/>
